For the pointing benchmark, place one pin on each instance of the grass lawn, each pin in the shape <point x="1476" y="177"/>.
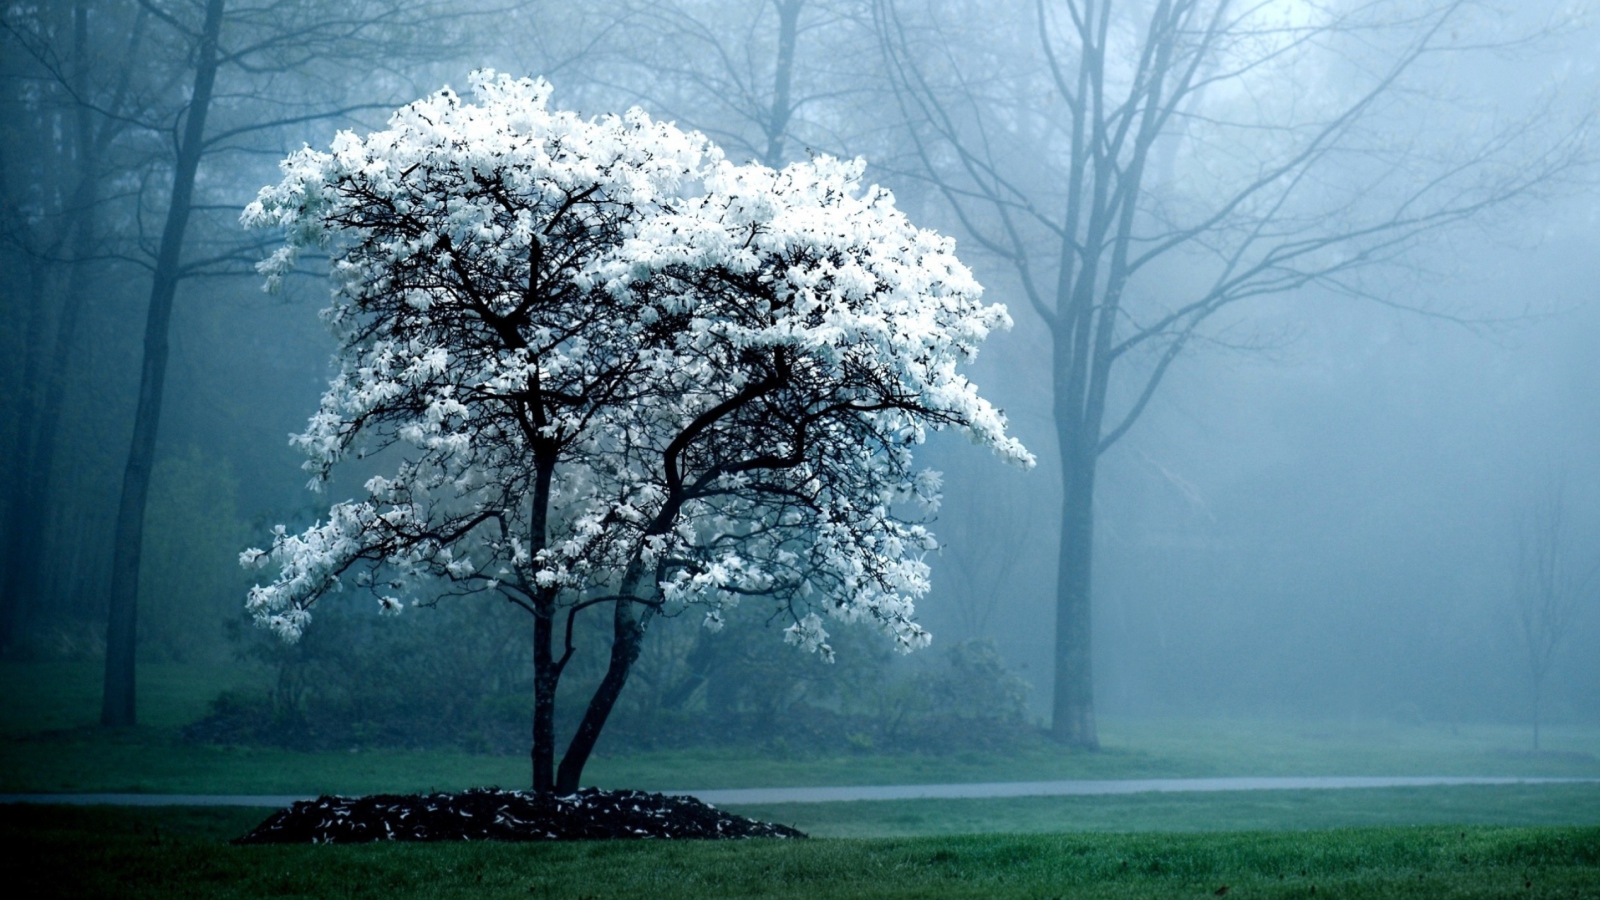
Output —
<point x="177" y="852"/>
<point x="49" y="742"/>
<point x="1221" y="811"/>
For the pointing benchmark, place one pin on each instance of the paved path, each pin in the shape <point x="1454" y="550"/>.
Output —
<point x="1085" y="788"/>
<point x="740" y="796"/>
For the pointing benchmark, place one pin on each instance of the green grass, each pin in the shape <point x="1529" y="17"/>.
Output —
<point x="49" y="742"/>
<point x="56" y="851"/>
<point x="1195" y="812"/>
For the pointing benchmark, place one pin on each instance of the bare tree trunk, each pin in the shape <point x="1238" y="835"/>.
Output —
<point x="627" y="640"/>
<point x="117" y="701"/>
<point x="777" y="125"/>
<point x="1548" y="590"/>
<point x="1072" y="720"/>
<point x="545" y="677"/>
<point x="22" y="521"/>
<point x="1538" y="695"/>
<point x="546" y="671"/>
<point x="27" y="550"/>
<point x="29" y="503"/>
<point x="701" y="661"/>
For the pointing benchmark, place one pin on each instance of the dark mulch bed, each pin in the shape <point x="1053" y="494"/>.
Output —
<point x="490" y="814"/>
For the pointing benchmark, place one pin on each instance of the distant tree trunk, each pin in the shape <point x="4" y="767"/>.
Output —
<point x="1538" y="695"/>
<point x="28" y="546"/>
<point x="21" y="525"/>
<point x="777" y="125"/>
<point x="1072" y="720"/>
<point x="29" y="505"/>
<point x="701" y="662"/>
<point x="25" y="553"/>
<point x="627" y="640"/>
<point x="117" y="702"/>
<point x="1549" y="588"/>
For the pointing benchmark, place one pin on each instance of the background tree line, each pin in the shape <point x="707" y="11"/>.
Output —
<point x="1141" y="179"/>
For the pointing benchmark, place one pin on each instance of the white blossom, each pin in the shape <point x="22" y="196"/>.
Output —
<point x="720" y="372"/>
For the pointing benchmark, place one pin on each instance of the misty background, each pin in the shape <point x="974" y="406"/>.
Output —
<point x="1319" y="521"/>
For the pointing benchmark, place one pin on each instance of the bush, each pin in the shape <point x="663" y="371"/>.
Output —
<point x="460" y="676"/>
<point x="444" y="677"/>
<point x="190" y="582"/>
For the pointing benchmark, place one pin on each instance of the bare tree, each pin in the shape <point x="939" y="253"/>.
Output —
<point x="251" y="70"/>
<point x="1551" y="586"/>
<point x="768" y="80"/>
<point x="1144" y="167"/>
<point x="54" y="210"/>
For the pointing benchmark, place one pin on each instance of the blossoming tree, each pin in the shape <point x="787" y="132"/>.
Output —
<point x="609" y="369"/>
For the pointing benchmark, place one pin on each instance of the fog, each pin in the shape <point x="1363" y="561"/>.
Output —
<point x="1330" y="531"/>
<point x="1316" y="517"/>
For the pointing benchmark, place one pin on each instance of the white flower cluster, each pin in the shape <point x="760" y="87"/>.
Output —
<point x="594" y="347"/>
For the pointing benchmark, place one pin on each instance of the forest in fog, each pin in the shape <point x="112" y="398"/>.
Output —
<point x="1306" y="317"/>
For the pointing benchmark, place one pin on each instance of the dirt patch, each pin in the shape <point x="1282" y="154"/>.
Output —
<point x="490" y="814"/>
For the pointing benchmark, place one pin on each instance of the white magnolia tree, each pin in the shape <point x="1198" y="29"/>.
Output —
<point x="609" y="369"/>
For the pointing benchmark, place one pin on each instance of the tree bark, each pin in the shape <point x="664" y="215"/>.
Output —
<point x="118" y="698"/>
<point x="21" y="522"/>
<point x="627" y="640"/>
<point x="546" y="671"/>
<point x="1072" y="720"/>
<point x="545" y="678"/>
<point x="777" y="126"/>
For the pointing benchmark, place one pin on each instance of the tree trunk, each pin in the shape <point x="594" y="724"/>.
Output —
<point x="546" y="672"/>
<point x="777" y="124"/>
<point x="701" y="662"/>
<point x="21" y="502"/>
<point x="545" y="677"/>
<point x="30" y="502"/>
<point x="627" y="640"/>
<point x="117" y="701"/>
<point x="29" y="514"/>
<point x="1538" y="693"/>
<point x="1072" y="720"/>
<point x="26" y="551"/>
